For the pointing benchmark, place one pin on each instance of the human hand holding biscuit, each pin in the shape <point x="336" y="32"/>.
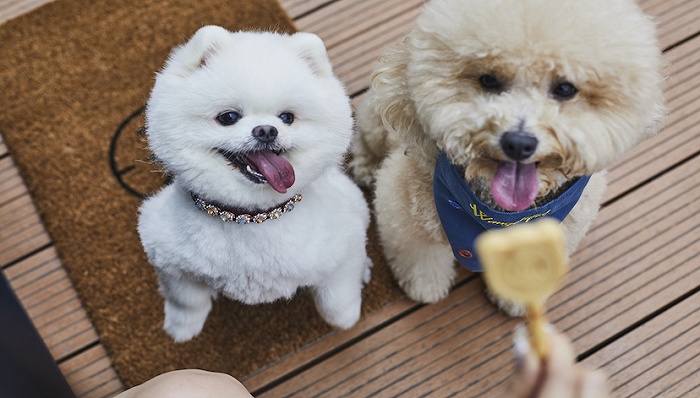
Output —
<point x="526" y="263"/>
<point x="557" y="375"/>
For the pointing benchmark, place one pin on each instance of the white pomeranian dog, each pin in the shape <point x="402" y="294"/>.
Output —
<point x="253" y="127"/>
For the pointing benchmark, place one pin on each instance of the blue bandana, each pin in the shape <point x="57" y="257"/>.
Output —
<point x="464" y="216"/>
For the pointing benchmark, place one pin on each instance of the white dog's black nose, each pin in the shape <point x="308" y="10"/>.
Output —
<point x="265" y="134"/>
<point x="518" y="146"/>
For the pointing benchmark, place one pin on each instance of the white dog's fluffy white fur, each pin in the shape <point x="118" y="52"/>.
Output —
<point x="582" y="78"/>
<point x="249" y="120"/>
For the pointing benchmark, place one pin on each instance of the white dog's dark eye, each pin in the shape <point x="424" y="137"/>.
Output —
<point x="287" y="117"/>
<point x="564" y="91"/>
<point x="228" y="118"/>
<point x="490" y="83"/>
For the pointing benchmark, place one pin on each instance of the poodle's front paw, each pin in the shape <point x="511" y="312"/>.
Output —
<point x="427" y="290"/>
<point x="424" y="270"/>
<point x="510" y="308"/>
<point x="426" y="280"/>
<point x="182" y="323"/>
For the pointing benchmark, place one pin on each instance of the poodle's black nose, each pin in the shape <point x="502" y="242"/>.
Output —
<point x="265" y="134"/>
<point x="518" y="146"/>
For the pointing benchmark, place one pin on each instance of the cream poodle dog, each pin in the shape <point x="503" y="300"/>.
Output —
<point x="493" y="113"/>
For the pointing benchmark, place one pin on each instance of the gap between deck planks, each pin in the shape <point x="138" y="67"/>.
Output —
<point x="354" y="44"/>
<point x="669" y="341"/>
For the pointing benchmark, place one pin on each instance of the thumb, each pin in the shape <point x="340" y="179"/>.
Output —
<point x="527" y="364"/>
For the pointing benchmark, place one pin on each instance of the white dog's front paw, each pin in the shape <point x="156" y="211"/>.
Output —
<point x="339" y="306"/>
<point x="427" y="282"/>
<point x="181" y="323"/>
<point x="344" y="320"/>
<point x="510" y="308"/>
<point x="342" y="317"/>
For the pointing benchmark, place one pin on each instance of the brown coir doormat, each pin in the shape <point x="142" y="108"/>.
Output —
<point x="74" y="76"/>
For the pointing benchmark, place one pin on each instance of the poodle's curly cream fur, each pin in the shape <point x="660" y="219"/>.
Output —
<point x="428" y="96"/>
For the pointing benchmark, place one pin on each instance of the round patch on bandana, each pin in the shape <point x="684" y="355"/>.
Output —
<point x="465" y="253"/>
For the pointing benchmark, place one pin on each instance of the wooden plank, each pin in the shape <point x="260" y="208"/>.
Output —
<point x="355" y="43"/>
<point x="11" y="184"/>
<point x="13" y="8"/>
<point x="334" y="342"/>
<point x="329" y="343"/>
<point x="90" y="374"/>
<point x="681" y="135"/>
<point x="679" y="22"/>
<point x="297" y="8"/>
<point x="659" y="7"/>
<point x="671" y="364"/>
<point x="430" y="332"/>
<point x="676" y="19"/>
<point x="366" y="16"/>
<point x="11" y="189"/>
<point x="474" y="326"/>
<point x="639" y="246"/>
<point x="22" y="231"/>
<point x="659" y="357"/>
<point x="46" y="293"/>
<point x="355" y="61"/>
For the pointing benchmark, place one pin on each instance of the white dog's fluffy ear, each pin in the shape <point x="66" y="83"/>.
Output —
<point x="313" y="51"/>
<point x="193" y="54"/>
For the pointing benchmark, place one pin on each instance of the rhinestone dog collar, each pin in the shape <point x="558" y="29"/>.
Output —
<point x="240" y="216"/>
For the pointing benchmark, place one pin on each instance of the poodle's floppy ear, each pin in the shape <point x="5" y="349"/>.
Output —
<point x="312" y="50"/>
<point x="193" y="54"/>
<point x="391" y="97"/>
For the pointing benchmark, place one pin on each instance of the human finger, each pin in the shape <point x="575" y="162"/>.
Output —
<point x="527" y="364"/>
<point x="560" y="373"/>
<point x="592" y="384"/>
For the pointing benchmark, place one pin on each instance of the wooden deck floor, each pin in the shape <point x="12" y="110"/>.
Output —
<point x="631" y="304"/>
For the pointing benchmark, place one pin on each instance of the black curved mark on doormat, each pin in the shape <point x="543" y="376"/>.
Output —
<point x="112" y="154"/>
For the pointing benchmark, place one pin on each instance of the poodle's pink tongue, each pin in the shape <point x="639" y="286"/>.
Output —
<point x="514" y="186"/>
<point x="278" y="172"/>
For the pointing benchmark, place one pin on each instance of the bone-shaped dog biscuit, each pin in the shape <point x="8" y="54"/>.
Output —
<point x="525" y="263"/>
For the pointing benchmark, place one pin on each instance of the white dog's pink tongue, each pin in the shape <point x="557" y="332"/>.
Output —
<point x="278" y="172"/>
<point x="514" y="186"/>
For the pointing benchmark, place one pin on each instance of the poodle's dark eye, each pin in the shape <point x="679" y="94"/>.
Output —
<point x="287" y="117"/>
<point x="228" y="118"/>
<point x="490" y="83"/>
<point x="564" y="91"/>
